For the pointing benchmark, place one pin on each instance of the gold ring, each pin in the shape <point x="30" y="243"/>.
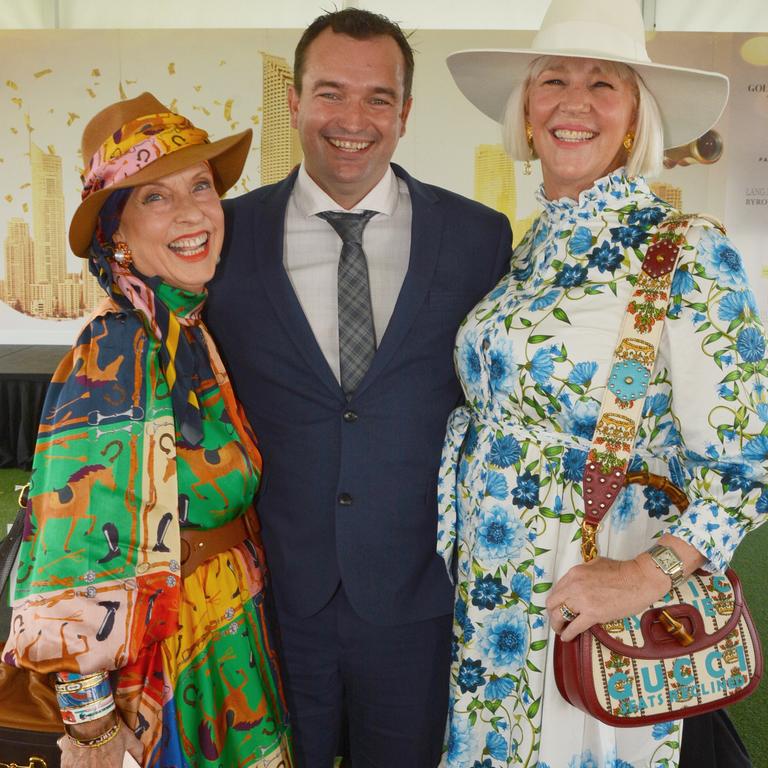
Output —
<point x="567" y="613"/>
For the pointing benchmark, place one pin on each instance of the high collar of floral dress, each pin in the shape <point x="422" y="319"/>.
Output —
<point x="606" y="192"/>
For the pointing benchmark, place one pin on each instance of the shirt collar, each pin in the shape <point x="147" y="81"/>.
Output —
<point x="311" y="199"/>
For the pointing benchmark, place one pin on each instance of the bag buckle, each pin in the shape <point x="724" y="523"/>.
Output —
<point x="675" y="628"/>
<point x="589" y="540"/>
<point x="34" y="762"/>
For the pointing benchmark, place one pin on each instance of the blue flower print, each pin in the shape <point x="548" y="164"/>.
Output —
<point x="542" y="302"/>
<point x="662" y="730"/>
<point x="521" y="586"/>
<point x="656" y="502"/>
<point x="676" y="473"/>
<point x="656" y="405"/>
<point x="571" y="275"/>
<point x="682" y="283"/>
<point x="488" y="592"/>
<point x="581" y="241"/>
<point x="582" y="373"/>
<point x="762" y="411"/>
<point x="496" y="745"/>
<point x="750" y="345"/>
<point x="522" y="272"/>
<point x="646" y="217"/>
<point x="463" y="620"/>
<point x="469" y="360"/>
<point x="607" y="258"/>
<point x="581" y="419"/>
<point x="574" y="462"/>
<point x="542" y="366"/>
<point x="757" y="448"/>
<point x="500" y="536"/>
<point x="499" y="290"/>
<point x="624" y="511"/>
<point x="720" y="259"/>
<point x="629" y="237"/>
<point x="526" y="492"/>
<point x="470" y="441"/>
<point x="505" y="638"/>
<point x="485" y="764"/>
<point x="584" y="760"/>
<point x="502" y="370"/>
<point x="470" y="675"/>
<point x="762" y="503"/>
<point x="737" y="305"/>
<point x="458" y="739"/>
<point x="618" y="763"/>
<point x="496" y="485"/>
<point x="499" y="688"/>
<point x="736" y="477"/>
<point x="505" y="451"/>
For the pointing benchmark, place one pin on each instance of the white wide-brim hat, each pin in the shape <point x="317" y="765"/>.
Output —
<point x="690" y="100"/>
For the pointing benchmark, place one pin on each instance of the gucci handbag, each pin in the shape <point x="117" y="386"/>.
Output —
<point x="30" y="722"/>
<point x="695" y="649"/>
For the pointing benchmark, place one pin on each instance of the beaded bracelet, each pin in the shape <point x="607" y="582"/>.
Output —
<point x="101" y="739"/>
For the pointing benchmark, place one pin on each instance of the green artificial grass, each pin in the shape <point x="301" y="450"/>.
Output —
<point x="749" y="716"/>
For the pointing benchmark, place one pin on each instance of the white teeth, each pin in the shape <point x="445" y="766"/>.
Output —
<point x="190" y="246"/>
<point x="565" y="135"/>
<point x="350" y="146"/>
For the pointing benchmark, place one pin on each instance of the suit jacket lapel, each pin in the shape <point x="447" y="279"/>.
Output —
<point x="426" y="236"/>
<point x="269" y="237"/>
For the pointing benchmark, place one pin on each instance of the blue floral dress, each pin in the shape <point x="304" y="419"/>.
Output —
<point x="533" y="359"/>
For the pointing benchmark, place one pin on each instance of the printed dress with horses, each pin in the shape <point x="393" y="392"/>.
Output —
<point x="533" y="359"/>
<point x="99" y="584"/>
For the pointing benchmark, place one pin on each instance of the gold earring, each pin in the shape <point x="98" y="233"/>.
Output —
<point x="629" y="141"/>
<point x="529" y="135"/>
<point x="122" y="253"/>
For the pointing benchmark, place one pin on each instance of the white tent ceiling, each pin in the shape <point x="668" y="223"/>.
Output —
<point x="663" y="15"/>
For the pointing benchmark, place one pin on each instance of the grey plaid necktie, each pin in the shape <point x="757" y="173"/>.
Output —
<point x="357" y="340"/>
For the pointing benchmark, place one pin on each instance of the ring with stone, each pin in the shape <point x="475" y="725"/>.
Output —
<point x="567" y="613"/>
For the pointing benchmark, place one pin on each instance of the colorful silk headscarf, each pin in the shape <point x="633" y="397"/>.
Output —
<point x="137" y="144"/>
<point x="182" y="351"/>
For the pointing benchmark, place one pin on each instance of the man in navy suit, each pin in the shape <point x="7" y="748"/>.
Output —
<point x="348" y="497"/>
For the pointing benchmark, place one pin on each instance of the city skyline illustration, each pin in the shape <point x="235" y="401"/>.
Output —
<point x="36" y="279"/>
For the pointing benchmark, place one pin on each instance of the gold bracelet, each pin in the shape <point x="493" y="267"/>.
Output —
<point x="101" y="739"/>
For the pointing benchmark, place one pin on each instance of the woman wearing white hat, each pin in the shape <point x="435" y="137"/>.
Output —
<point x="534" y="358"/>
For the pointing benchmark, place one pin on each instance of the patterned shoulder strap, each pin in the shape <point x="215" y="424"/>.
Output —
<point x="630" y="374"/>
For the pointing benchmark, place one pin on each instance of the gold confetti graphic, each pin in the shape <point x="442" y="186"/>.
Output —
<point x="43" y="72"/>
<point x="25" y="207"/>
<point x="90" y="92"/>
<point x="51" y="149"/>
<point x="171" y="68"/>
<point x="24" y="186"/>
<point x="17" y="101"/>
<point x="71" y="117"/>
<point x="121" y="90"/>
<point x="197" y="88"/>
<point x="12" y="85"/>
<point x="204" y="110"/>
<point x="228" y="109"/>
<point x="255" y="119"/>
<point x="13" y="130"/>
<point x="95" y="72"/>
<point x="222" y="62"/>
<point x="173" y="104"/>
<point x="9" y="198"/>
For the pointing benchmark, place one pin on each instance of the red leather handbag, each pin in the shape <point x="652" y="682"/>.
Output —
<point x="695" y="649"/>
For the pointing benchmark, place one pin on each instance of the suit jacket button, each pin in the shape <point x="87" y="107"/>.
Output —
<point x="349" y="417"/>
<point x="345" y="500"/>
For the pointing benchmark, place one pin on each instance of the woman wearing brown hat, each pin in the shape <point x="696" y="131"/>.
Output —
<point x="141" y="575"/>
<point x="534" y="358"/>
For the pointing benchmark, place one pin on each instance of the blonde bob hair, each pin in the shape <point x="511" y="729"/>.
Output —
<point x="647" y="155"/>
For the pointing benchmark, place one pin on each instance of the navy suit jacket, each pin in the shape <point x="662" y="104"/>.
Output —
<point x="349" y="488"/>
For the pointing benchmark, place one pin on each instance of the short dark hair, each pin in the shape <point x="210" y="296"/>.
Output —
<point x="362" y="25"/>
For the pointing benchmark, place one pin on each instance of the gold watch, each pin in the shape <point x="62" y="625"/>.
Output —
<point x="668" y="562"/>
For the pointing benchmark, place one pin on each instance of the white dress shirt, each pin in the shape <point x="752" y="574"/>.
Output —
<point x="312" y="248"/>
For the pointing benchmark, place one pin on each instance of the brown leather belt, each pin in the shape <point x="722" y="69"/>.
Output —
<point x="199" y="545"/>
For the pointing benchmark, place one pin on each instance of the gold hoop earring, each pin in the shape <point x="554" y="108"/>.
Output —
<point x="122" y="253"/>
<point x="629" y="141"/>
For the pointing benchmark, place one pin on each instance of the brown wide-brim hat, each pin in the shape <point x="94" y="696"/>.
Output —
<point x="226" y="156"/>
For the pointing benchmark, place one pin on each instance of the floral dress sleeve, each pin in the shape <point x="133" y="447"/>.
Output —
<point x="715" y="347"/>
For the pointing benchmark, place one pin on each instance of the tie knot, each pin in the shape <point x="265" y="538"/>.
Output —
<point x="348" y="226"/>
